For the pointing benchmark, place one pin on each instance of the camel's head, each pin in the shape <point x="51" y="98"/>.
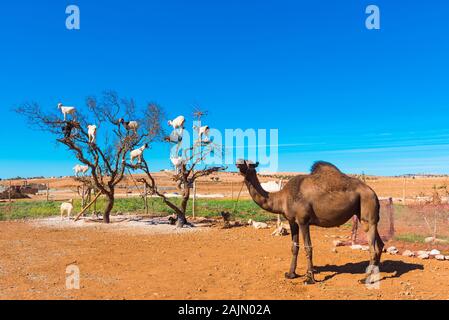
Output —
<point x="246" y="166"/>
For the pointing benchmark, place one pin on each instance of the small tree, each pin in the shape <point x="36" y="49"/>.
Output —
<point x="107" y="156"/>
<point x="192" y="167"/>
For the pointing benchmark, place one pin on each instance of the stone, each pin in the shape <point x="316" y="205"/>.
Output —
<point x="423" y="256"/>
<point x="338" y="243"/>
<point x="421" y="252"/>
<point x="408" y="253"/>
<point x="356" y="247"/>
<point x="434" y="252"/>
<point x="392" y="250"/>
<point x="439" y="257"/>
<point x="446" y="257"/>
<point x="365" y="248"/>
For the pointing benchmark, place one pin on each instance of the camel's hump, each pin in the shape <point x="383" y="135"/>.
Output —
<point x="321" y="166"/>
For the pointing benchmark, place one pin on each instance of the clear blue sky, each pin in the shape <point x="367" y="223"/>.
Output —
<point x="367" y="100"/>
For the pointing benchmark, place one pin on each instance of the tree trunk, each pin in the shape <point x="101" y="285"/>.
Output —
<point x="182" y="220"/>
<point x="109" y="206"/>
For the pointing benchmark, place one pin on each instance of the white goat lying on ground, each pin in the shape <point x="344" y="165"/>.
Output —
<point x="80" y="169"/>
<point x="67" y="207"/>
<point x="92" y="132"/>
<point x="66" y="110"/>
<point x="177" y="123"/>
<point x="257" y="225"/>
<point x="138" y="153"/>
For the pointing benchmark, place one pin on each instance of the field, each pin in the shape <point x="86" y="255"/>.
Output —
<point x="134" y="259"/>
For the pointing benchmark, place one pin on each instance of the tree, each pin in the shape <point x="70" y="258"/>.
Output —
<point x="107" y="156"/>
<point x="192" y="167"/>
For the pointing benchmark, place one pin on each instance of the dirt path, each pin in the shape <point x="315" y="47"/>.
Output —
<point x="214" y="264"/>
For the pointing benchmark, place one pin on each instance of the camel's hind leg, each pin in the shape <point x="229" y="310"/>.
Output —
<point x="305" y="233"/>
<point x="370" y="219"/>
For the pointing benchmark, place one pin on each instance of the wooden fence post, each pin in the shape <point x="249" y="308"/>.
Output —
<point x="145" y="199"/>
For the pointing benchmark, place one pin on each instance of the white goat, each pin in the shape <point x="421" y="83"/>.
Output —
<point x="138" y="153"/>
<point x="92" y="132"/>
<point x="177" y="162"/>
<point x="202" y="131"/>
<point x="257" y="225"/>
<point x="80" y="169"/>
<point x="129" y="125"/>
<point x="177" y="123"/>
<point x="66" y="207"/>
<point x="66" y="110"/>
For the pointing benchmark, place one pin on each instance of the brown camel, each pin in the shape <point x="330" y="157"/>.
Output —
<point x="326" y="198"/>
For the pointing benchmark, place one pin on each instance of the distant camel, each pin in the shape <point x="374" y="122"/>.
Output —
<point x="326" y="198"/>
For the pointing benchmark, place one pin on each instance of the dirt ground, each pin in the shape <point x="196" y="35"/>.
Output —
<point x="203" y="263"/>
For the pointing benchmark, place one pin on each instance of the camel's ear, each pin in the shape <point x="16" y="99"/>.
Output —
<point x="256" y="165"/>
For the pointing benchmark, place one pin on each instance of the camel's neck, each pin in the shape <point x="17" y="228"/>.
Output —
<point x="270" y="201"/>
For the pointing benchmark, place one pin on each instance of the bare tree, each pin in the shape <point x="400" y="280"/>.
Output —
<point x="193" y="167"/>
<point x="106" y="158"/>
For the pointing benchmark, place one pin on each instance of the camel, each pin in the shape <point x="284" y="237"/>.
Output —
<point x="326" y="198"/>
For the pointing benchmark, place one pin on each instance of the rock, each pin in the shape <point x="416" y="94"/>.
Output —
<point x="421" y="252"/>
<point x="338" y="243"/>
<point x="356" y="247"/>
<point x="423" y="256"/>
<point x="408" y="253"/>
<point x="392" y="250"/>
<point x="434" y="252"/>
<point x="446" y="257"/>
<point x="439" y="257"/>
<point x="365" y="248"/>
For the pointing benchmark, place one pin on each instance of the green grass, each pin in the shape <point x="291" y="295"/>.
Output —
<point x="415" y="238"/>
<point x="410" y="237"/>
<point x="246" y="209"/>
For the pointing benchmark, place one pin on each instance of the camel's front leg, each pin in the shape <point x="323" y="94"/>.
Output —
<point x="294" y="229"/>
<point x="355" y="227"/>
<point x="305" y="233"/>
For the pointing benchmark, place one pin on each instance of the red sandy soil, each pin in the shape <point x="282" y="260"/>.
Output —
<point x="237" y="263"/>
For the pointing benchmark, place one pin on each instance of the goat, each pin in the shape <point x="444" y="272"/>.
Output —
<point x="92" y="132"/>
<point x="66" y="110"/>
<point x="68" y="127"/>
<point x="202" y="131"/>
<point x="257" y="225"/>
<point x="80" y="169"/>
<point x="129" y="125"/>
<point x="177" y="123"/>
<point x="137" y="153"/>
<point x="66" y="207"/>
<point x="177" y="162"/>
